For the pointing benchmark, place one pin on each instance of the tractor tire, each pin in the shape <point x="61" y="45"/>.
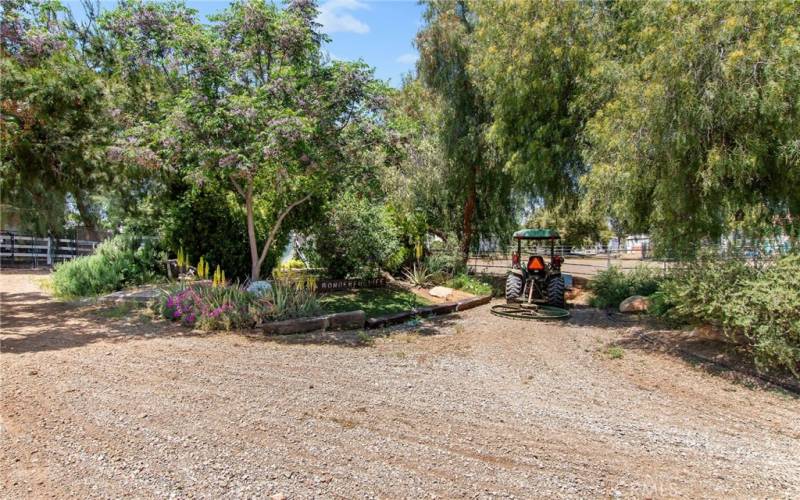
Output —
<point x="555" y="292"/>
<point x="513" y="287"/>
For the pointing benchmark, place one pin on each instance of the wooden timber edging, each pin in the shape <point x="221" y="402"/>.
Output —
<point x="357" y="320"/>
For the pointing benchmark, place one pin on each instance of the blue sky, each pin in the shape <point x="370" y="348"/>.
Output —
<point x="380" y="32"/>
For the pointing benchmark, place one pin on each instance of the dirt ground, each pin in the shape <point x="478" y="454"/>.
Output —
<point x="99" y="403"/>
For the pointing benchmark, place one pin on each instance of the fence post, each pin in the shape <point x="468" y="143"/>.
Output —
<point x="49" y="249"/>
<point x="12" y="248"/>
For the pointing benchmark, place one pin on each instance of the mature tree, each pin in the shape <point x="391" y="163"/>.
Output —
<point x="416" y="176"/>
<point x="537" y="64"/>
<point x="54" y="117"/>
<point x="703" y="129"/>
<point x="267" y="116"/>
<point x="474" y="176"/>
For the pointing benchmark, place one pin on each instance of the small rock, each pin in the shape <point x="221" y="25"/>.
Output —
<point x="278" y="496"/>
<point x="440" y="291"/>
<point x="634" y="303"/>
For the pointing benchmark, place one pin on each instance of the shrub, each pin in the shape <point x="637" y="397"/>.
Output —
<point x="759" y="309"/>
<point x="612" y="286"/>
<point x="208" y="222"/>
<point x="121" y="261"/>
<point x="232" y="307"/>
<point x="357" y="236"/>
<point x="469" y="284"/>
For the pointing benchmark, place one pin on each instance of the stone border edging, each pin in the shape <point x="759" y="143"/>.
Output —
<point x="354" y="320"/>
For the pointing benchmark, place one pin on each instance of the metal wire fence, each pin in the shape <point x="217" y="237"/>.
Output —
<point x="586" y="263"/>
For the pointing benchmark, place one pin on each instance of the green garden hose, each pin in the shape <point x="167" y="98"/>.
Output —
<point x="529" y="311"/>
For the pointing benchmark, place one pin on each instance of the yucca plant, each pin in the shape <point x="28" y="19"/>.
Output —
<point x="418" y="275"/>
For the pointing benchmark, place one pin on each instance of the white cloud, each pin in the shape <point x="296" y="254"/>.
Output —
<point x="408" y="58"/>
<point x="334" y="17"/>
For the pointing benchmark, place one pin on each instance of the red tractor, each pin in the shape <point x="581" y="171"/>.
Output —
<point x="532" y="279"/>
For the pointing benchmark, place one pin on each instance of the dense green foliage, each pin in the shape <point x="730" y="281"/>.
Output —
<point x="701" y="134"/>
<point x="474" y="178"/>
<point x="118" y="262"/>
<point x="758" y="308"/>
<point x="356" y="237"/>
<point x="612" y="286"/>
<point x="206" y="223"/>
<point x="55" y="121"/>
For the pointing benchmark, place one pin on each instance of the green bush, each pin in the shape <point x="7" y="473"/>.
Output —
<point x="759" y="309"/>
<point x="208" y="223"/>
<point x="469" y="284"/>
<point x="121" y="261"/>
<point x="356" y="237"/>
<point x="612" y="286"/>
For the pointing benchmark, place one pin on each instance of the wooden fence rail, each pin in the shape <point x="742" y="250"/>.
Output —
<point x="42" y="250"/>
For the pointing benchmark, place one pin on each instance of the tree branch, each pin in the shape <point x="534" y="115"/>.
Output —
<point x="274" y="231"/>
<point x="238" y="187"/>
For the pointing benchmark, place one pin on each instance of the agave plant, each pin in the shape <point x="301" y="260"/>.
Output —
<point x="418" y="275"/>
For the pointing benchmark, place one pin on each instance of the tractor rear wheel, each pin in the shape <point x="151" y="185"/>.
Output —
<point x="513" y="287"/>
<point x="555" y="292"/>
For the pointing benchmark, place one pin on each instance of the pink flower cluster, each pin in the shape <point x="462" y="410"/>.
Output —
<point x="187" y="306"/>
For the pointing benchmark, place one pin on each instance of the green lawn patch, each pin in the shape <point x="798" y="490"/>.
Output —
<point x="373" y="301"/>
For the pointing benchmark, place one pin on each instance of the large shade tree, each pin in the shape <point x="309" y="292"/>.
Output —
<point x="267" y="115"/>
<point x="703" y="132"/>
<point x="55" y="119"/>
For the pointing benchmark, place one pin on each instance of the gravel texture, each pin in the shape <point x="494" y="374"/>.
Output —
<point x="96" y="405"/>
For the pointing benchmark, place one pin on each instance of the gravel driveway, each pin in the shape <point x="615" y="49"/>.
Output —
<point x="467" y="406"/>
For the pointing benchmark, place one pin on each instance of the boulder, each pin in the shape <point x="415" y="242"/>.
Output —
<point x="634" y="304"/>
<point x="259" y="287"/>
<point x="440" y="291"/>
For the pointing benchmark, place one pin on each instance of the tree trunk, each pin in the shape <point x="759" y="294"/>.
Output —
<point x="88" y="219"/>
<point x="469" y="212"/>
<point x="256" y="260"/>
<point x="255" y="265"/>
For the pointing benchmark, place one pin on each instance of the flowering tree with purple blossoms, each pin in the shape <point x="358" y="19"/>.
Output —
<point x="268" y="116"/>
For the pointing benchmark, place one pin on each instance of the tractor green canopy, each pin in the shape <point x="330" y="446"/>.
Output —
<point x="536" y="234"/>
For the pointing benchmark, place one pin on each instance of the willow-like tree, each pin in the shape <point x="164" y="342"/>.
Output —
<point x="703" y="133"/>
<point x="474" y="176"/>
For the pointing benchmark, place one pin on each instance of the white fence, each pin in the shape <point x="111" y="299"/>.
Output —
<point x="40" y="251"/>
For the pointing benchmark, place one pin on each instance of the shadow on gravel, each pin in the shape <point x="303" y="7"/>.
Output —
<point x="33" y="322"/>
<point x="601" y="318"/>
<point x="713" y="356"/>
